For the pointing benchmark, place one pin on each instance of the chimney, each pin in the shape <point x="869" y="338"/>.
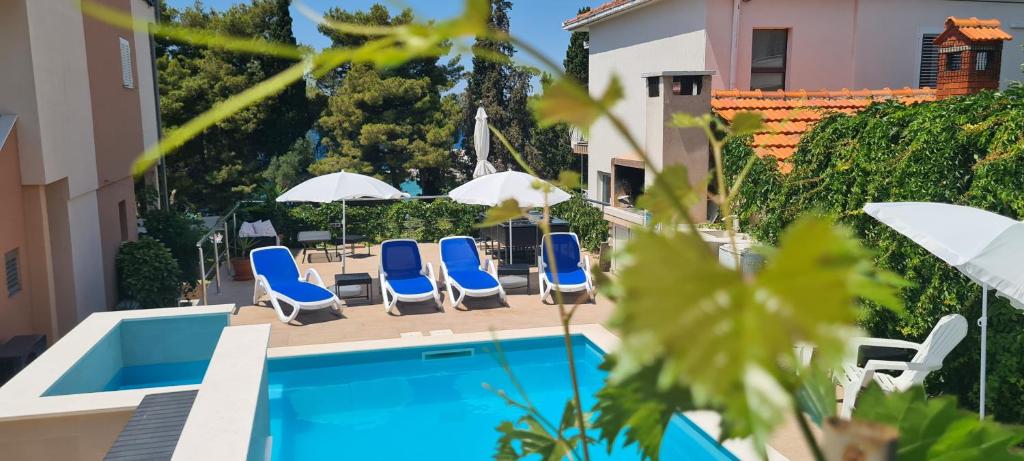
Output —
<point x="970" y="51"/>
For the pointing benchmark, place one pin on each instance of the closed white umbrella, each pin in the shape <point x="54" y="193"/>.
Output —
<point x="493" y="189"/>
<point x="482" y="144"/>
<point x="340" y="186"/>
<point x="984" y="246"/>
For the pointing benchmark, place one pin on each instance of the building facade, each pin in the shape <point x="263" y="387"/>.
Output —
<point x="76" y="108"/>
<point x="654" y="47"/>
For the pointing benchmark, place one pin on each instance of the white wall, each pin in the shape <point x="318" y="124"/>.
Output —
<point x="889" y="36"/>
<point x="142" y="11"/>
<point x="663" y="36"/>
<point x="87" y="255"/>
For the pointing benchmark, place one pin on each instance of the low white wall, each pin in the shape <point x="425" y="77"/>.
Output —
<point x="232" y="402"/>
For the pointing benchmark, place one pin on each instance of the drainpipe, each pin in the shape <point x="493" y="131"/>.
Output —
<point x="161" y="166"/>
<point x="735" y="43"/>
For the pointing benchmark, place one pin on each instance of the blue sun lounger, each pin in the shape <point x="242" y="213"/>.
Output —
<point x="462" y="271"/>
<point x="277" y="276"/>
<point x="573" y="269"/>
<point x="404" y="276"/>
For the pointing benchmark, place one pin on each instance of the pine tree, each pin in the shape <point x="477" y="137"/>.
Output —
<point x="577" y="57"/>
<point x="225" y="163"/>
<point x="502" y="90"/>
<point x="388" y="122"/>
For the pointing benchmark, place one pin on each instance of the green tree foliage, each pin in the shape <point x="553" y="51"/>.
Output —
<point x="964" y="150"/>
<point x="147" y="274"/>
<point x="585" y="220"/>
<point x="388" y="122"/>
<point x="292" y="167"/>
<point x="577" y="57"/>
<point x="502" y="89"/>
<point x="179" y="232"/>
<point x="223" y="164"/>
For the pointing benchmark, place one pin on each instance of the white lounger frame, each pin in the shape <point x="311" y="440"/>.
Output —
<point x="547" y="285"/>
<point x="451" y="284"/>
<point x="385" y="286"/>
<point x="262" y="286"/>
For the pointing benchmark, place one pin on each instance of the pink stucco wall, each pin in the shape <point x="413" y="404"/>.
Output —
<point x="848" y="43"/>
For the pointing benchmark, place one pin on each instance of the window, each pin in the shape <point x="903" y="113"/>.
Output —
<point x="653" y="87"/>
<point x="686" y="85"/>
<point x="929" y="73"/>
<point x="605" y="186"/>
<point x="11" y="270"/>
<point x="954" y="61"/>
<point x="122" y="216"/>
<point x="768" y="59"/>
<point x="127" y="80"/>
<point x="981" y="60"/>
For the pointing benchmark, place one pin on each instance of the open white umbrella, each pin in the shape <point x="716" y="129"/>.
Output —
<point x="493" y="189"/>
<point x="984" y="246"/>
<point x="340" y="186"/>
<point x="482" y="144"/>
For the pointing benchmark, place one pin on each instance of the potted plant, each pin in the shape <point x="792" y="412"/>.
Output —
<point x="240" y="263"/>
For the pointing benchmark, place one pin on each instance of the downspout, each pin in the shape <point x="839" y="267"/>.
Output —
<point x="161" y="166"/>
<point x="735" y="43"/>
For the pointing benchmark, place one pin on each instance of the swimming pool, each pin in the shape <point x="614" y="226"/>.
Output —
<point x="145" y="353"/>
<point x="428" y="403"/>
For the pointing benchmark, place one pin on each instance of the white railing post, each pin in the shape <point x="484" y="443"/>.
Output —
<point x="202" y="271"/>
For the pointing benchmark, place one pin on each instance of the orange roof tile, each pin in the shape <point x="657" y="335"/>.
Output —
<point x="790" y="114"/>
<point x="978" y="30"/>
<point x="595" y="11"/>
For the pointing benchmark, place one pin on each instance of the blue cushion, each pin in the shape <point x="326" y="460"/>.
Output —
<point x="276" y="264"/>
<point x="302" y="292"/>
<point x="473" y="279"/>
<point x="566" y="251"/>
<point x="459" y="254"/>
<point x="410" y="285"/>
<point x="575" y="277"/>
<point x="400" y="259"/>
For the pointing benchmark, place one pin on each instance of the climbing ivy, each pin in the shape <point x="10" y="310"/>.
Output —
<point x="965" y="150"/>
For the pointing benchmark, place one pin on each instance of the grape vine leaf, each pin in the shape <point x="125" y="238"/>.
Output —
<point x="936" y="429"/>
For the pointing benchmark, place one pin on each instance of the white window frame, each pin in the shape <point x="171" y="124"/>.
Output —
<point x="127" y="78"/>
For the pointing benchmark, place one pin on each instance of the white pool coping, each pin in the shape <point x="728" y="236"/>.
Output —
<point x="224" y="415"/>
<point x="22" y="396"/>
<point x="707" y="421"/>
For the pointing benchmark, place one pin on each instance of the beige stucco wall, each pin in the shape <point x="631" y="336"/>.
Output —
<point x="108" y="198"/>
<point x="80" y="438"/>
<point x="16" y="310"/>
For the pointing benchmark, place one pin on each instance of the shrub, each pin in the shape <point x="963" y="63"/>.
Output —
<point x="179" y="232"/>
<point x="148" y="274"/>
<point x="585" y="220"/>
<point x="964" y="150"/>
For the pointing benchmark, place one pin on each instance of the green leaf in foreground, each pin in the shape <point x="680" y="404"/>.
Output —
<point x="730" y="339"/>
<point x="508" y="210"/>
<point x="746" y="123"/>
<point x="638" y="409"/>
<point x="936" y="429"/>
<point x="529" y="436"/>
<point x="662" y="204"/>
<point x="567" y="101"/>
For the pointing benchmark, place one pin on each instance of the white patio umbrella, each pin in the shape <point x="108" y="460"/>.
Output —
<point x="340" y="186"/>
<point x="493" y="189"/>
<point x="984" y="246"/>
<point x="482" y="144"/>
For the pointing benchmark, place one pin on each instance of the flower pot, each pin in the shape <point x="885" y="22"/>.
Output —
<point x="243" y="271"/>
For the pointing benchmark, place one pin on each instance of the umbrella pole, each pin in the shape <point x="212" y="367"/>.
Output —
<point x="983" y="323"/>
<point x="344" y="236"/>
<point x="510" y="241"/>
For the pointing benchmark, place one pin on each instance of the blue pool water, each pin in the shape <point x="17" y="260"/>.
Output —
<point x="429" y="403"/>
<point x="158" y="375"/>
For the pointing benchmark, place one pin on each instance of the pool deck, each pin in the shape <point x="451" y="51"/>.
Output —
<point x="362" y="320"/>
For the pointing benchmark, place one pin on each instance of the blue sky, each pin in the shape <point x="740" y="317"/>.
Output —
<point x="537" y="21"/>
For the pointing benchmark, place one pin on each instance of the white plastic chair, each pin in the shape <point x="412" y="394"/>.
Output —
<point x="463" y="272"/>
<point x="948" y="332"/>
<point x="404" y="275"/>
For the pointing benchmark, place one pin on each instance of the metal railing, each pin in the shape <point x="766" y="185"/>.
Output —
<point x="218" y="233"/>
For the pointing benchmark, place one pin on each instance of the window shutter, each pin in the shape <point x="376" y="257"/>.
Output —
<point x="929" y="62"/>
<point x="126" y="64"/>
<point x="11" y="271"/>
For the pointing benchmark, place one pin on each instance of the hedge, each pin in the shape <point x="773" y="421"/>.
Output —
<point x="963" y="150"/>
<point x="421" y="220"/>
<point x="147" y="274"/>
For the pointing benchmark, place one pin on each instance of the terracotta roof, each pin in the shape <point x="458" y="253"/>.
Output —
<point x="598" y="11"/>
<point x="978" y="30"/>
<point x="790" y="114"/>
